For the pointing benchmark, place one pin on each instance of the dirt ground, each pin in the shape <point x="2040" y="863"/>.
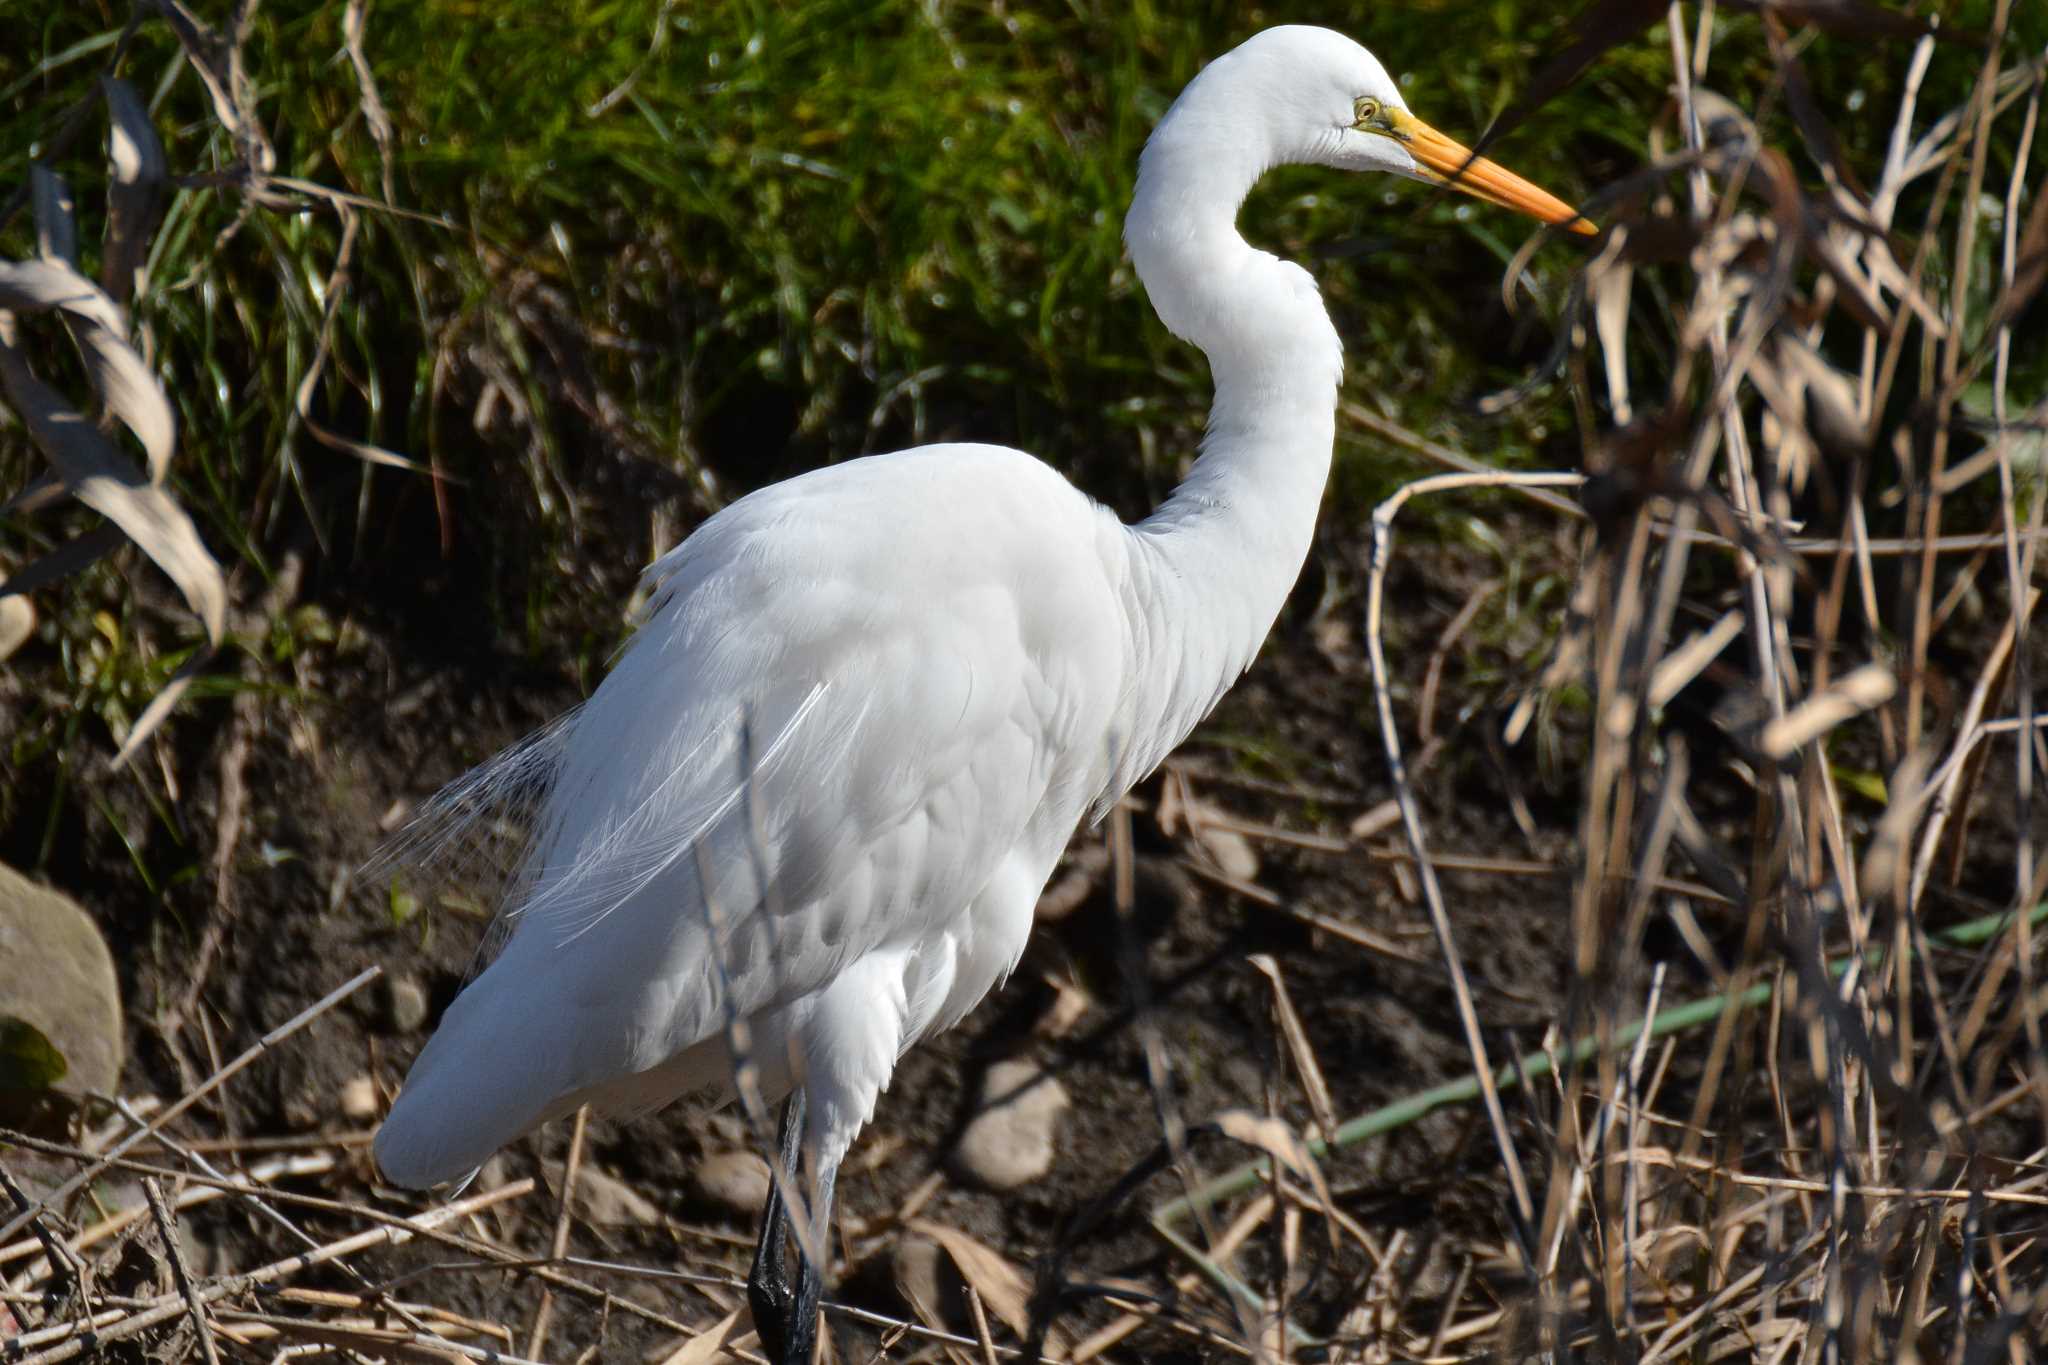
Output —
<point x="1292" y="752"/>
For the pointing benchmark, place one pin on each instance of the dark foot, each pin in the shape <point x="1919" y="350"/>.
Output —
<point x="775" y="1302"/>
<point x="801" y="1331"/>
<point x="769" y="1292"/>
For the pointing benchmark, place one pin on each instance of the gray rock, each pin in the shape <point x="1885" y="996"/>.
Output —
<point x="59" y="977"/>
<point x="1010" y="1141"/>
<point x="1234" y="855"/>
<point x="732" y="1182"/>
<point x="359" y="1099"/>
<point x="405" y="1004"/>
<point x="604" y="1200"/>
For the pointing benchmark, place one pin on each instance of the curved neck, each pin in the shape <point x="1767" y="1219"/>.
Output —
<point x="1211" y="568"/>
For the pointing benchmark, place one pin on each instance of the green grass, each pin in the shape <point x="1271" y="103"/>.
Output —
<point x="712" y="245"/>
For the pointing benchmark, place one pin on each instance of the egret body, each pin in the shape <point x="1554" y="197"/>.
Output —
<point x="821" y="790"/>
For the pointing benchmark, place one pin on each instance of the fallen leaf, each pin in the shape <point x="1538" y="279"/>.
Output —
<point x="1277" y="1140"/>
<point x="101" y="478"/>
<point x="138" y="176"/>
<point x="1000" y="1284"/>
<point x="117" y="369"/>
<point x="714" y="1344"/>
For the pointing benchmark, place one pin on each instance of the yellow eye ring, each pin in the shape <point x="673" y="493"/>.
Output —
<point x="1366" y="110"/>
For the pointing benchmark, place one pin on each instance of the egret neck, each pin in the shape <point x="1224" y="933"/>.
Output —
<point x="1227" y="545"/>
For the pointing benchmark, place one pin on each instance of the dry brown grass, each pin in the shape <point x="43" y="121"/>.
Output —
<point x="1837" y="1154"/>
<point x="1826" y="1176"/>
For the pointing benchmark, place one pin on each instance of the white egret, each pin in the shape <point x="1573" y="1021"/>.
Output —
<point x="824" y="784"/>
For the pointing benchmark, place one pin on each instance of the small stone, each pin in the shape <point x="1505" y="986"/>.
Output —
<point x="1010" y="1141"/>
<point x="359" y="1099"/>
<point x="59" y="978"/>
<point x="405" y="1005"/>
<point x="1383" y="816"/>
<point x="17" y="623"/>
<point x="1232" y="853"/>
<point x="1331" y="630"/>
<point x="605" y="1200"/>
<point x="733" y="1182"/>
<point x="1070" y="1003"/>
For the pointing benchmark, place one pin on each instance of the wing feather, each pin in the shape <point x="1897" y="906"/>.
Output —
<point x="824" y="740"/>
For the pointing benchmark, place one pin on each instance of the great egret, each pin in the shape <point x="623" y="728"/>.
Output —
<point x="823" y="786"/>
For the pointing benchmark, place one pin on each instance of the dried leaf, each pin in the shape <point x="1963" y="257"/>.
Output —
<point x="1863" y="304"/>
<point x="715" y="1344"/>
<point x="1831" y="414"/>
<point x="1888" y="862"/>
<point x="139" y="170"/>
<point x="1277" y="1140"/>
<point x="56" y="216"/>
<point x="103" y="480"/>
<point x="1385" y="815"/>
<point x="1305" y="1062"/>
<point x="1691" y="658"/>
<point x="1070" y="1003"/>
<point x="1000" y="1284"/>
<point x="1610" y="288"/>
<point x="1226" y="848"/>
<point x="1868" y="686"/>
<point x="127" y="387"/>
<point x="602" y="1199"/>
<point x="40" y="285"/>
<point x="159" y="707"/>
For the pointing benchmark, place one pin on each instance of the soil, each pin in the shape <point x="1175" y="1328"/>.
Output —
<point x="1292" y="749"/>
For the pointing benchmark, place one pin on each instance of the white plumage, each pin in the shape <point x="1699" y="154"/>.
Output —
<point x="918" y="762"/>
<point x="828" y="778"/>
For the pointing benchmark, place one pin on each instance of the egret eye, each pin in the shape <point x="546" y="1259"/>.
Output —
<point x="1367" y="110"/>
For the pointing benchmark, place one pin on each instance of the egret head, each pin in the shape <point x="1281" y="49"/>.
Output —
<point x="1298" y="94"/>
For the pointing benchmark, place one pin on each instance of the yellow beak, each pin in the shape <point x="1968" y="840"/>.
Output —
<point x="1453" y="165"/>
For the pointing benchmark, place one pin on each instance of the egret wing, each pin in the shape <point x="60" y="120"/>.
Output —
<point x="823" y="740"/>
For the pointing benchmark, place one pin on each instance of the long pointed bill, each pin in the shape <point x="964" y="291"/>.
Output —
<point x="1454" y="166"/>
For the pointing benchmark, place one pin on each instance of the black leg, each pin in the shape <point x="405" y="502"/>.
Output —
<point x="769" y="1292"/>
<point x="810" y="1280"/>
